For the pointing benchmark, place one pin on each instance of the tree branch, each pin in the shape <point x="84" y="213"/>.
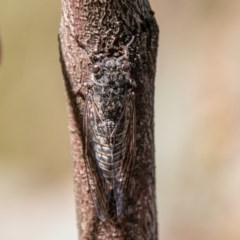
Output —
<point x="125" y="30"/>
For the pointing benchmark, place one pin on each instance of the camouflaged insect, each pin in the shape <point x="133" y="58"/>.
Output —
<point x="110" y="133"/>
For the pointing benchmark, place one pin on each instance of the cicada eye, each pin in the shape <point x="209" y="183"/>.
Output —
<point x="96" y="68"/>
<point x="126" y="67"/>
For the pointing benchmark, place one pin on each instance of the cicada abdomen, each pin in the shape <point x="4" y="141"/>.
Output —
<point x="110" y="134"/>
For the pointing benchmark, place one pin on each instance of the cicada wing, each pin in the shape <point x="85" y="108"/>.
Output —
<point x="123" y="178"/>
<point x="97" y="183"/>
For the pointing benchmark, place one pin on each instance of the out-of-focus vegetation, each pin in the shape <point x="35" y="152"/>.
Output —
<point x="197" y="119"/>
<point x="36" y="192"/>
<point x="197" y="122"/>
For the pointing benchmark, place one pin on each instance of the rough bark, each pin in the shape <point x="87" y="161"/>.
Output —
<point x="107" y="26"/>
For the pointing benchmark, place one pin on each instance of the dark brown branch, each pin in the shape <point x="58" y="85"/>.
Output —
<point x="93" y="27"/>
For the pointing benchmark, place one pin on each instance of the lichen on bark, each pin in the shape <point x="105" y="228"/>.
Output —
<point x="106" y="27"/>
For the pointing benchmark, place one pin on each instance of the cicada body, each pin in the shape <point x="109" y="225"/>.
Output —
<point x="110" y="135"/>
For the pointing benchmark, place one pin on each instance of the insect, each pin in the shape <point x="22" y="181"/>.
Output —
<point x="109" y="125"/>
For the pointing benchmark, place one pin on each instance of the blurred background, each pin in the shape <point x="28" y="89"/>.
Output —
<point x="197" y="123"/>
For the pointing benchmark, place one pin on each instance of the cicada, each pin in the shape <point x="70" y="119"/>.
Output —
<point x="109" y="133"/>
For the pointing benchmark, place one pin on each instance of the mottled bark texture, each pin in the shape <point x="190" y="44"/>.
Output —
<point x="91" y="27"/>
